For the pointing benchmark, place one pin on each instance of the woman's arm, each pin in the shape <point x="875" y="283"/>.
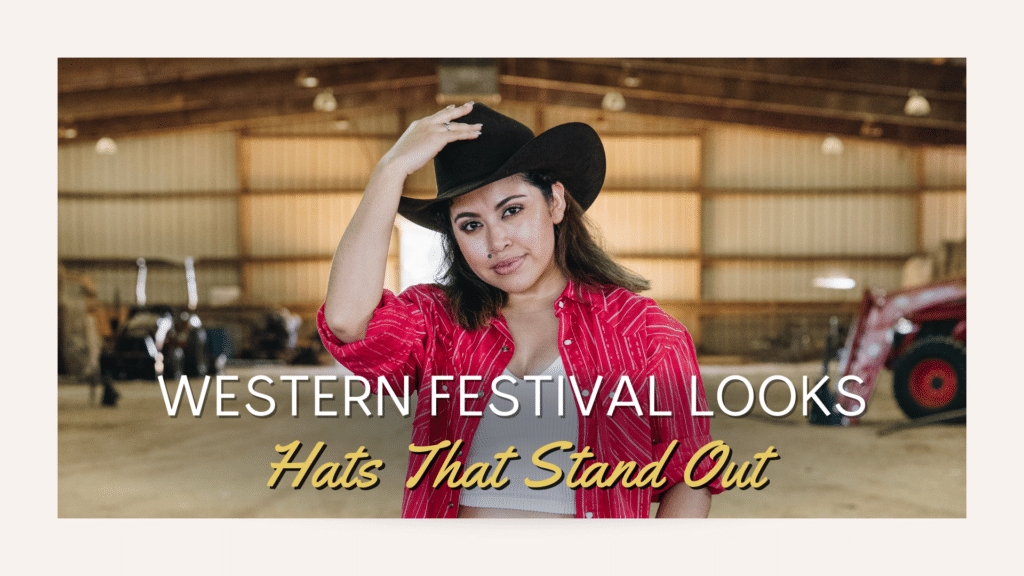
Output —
<point x="681" y="501"/>
<point x="357" y="271"/>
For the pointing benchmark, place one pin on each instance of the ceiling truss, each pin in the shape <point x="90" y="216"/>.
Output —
<point x="846" y="97"/>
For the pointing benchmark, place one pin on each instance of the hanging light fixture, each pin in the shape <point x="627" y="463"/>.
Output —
<point x="629" y="79"/>
<point x="305" y="80"/>
<point x="917" y="105"/>
<point x="835" y="282"/>
<point x="613" y="102"/>
<point x="106" y="146"/>
<point x="325" y="101"/>
<point x="832" y="145"/>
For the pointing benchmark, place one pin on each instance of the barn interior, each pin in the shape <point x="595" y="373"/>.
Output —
<point x="761" y="197"/>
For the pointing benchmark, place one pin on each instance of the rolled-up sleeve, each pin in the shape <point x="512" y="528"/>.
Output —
<point x="674" y="366"/>
<point x="394" y="345"/>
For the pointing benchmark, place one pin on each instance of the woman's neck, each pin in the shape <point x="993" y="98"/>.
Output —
<point x="539" y="297"/>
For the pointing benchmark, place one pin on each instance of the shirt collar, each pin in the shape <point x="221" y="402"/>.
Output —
<point x="584" y="294"/>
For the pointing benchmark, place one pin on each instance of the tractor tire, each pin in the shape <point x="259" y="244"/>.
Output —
<point x="173" y="360"/>
<point x="930" y="377"/>
<point x="197" y="355"/>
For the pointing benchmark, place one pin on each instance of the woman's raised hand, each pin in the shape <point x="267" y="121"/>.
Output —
<point x="426" y="137"/>
<point x="357" y="272"/>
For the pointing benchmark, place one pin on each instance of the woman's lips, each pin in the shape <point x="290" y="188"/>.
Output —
<point x="508" y="266"/>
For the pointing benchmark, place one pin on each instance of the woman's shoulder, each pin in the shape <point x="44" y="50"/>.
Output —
<point x="424" y="296"/>
<point x="641" y="312"/>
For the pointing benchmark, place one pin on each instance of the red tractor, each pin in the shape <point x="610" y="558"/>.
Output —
<point x="918" y="333"/>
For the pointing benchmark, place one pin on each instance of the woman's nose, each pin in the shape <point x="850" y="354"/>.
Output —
<point x="498" y="238"/>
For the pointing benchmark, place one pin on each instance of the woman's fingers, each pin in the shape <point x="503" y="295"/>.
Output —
<point x="465" y="131"/>
<point x="457" y="130"/>
<point x="426" y="137"/>
<point x="452" y="112"/>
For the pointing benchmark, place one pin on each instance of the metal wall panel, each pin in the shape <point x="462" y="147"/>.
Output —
<point x="298" y="224"/>
<point x="312" y="163"/>
<point x="335" y="125"/>
<point x="767" y="281"/>
<point x="945" y="167"/>
<point x="652" y="162"/>
<point x="757" y="224"/>
<point x="148" y="227"/>
<point x="618" y="122"/>
<point x="648" y="222"/>
<point x="738" y="157"/>
<point x="775" y="338"/>
<point x="276" y="283"/>
<point x="174" y="162"/>
<point x="670" y="279"/>
<point x="944" y="217"/>
<point x="164" y="285"/>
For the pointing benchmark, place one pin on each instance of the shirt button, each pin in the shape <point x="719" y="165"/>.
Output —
<point x="504" y="348"/>
<point x="561" y="304"/>
<point x="444" y="387"/>
<point x="567" y="342"/>
<point x="590" y="514"/>
<point x="451" y="504"/>
<point x="585" y="393"/>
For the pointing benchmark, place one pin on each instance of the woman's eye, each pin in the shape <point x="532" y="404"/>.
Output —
<point x="469" y="226"/>
<point x="512" y="210"/>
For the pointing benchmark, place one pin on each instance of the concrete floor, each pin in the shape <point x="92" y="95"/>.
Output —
<point x="134" y="461"/>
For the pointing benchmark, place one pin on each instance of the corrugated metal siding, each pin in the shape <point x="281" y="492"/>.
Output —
<point x="129" y="228"/>
<point x="652" y="162"/>
<point x="648" y="222"/>
<point x="164" y="285"/>
<point x="944" y="217"/>
<point x="306" y="224"/>
<point x="175" y="162"/>
<point x="299" y="224"/>
<point x="755" y="224"/>
<point x="356" y="122"/>
<point x="275" y="283"/>
<point x="759" y="159"/>
<point x="670" y="279"/>
<point x="312" y="163"/>
<point x="754" y="281"/>
<point x="945" y="167"/>
<point x="782" y="338"/>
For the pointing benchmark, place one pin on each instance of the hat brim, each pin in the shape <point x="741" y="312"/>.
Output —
<point x="572" y="151"/>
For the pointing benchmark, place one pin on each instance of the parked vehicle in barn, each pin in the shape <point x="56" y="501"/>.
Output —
<point x="159" y="339"/>
<point x="921" y="335"/>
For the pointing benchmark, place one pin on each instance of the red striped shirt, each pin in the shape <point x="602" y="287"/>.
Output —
<point x="602" y="331"/>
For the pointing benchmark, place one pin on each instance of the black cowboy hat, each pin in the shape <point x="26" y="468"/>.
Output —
<point x="573" y="152"/>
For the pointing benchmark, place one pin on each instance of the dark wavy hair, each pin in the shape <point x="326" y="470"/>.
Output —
<point x="473" y="302"/>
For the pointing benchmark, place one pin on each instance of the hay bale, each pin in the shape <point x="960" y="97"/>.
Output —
<point x="78" y="337"/>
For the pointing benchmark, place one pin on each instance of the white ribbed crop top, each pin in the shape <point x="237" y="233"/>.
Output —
<point x="527" y="432"/>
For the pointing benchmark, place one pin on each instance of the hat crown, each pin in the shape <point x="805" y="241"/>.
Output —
<point x="467" y="161"/>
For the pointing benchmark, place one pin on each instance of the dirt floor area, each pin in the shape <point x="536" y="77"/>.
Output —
<point x="134" y="461"/>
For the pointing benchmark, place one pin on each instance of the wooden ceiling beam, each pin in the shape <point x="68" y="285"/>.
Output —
<point x="79" y="74"/>
<point x="239" y="87"/>
<point x="135" y="96"/>
<point x="132" y="125"/>
<point x="735" y="92"/>
<point x="794" y="120"/>
<point x="873" y="75"/>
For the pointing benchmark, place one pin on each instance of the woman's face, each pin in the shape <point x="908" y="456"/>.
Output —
<point x="510" y="221"/>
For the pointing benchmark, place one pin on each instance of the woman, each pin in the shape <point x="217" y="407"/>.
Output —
<point x="526" y="292"/>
